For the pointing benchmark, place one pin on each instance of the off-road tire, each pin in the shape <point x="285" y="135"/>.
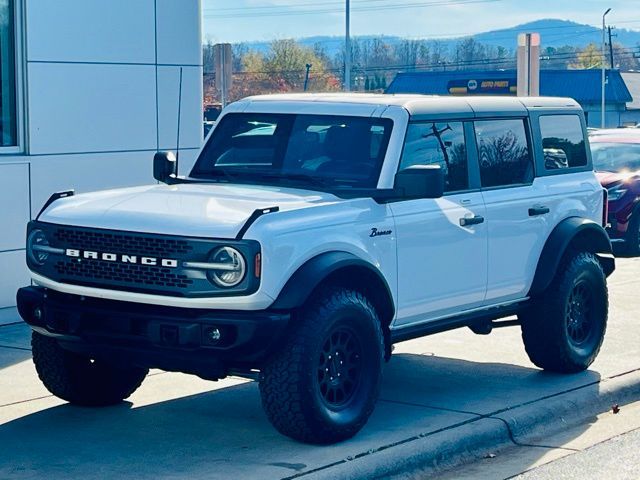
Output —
<point x="298" y="384"/>
<point x="79" y="379"/>
<point x="564" y="327"/>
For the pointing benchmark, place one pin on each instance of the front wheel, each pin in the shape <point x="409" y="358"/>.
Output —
<point x="322" y="385"/>
<point x="79" y="379"/>
<point x="563" y="329"/>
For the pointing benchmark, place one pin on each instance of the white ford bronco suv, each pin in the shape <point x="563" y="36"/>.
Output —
<point x="313" y="233"/>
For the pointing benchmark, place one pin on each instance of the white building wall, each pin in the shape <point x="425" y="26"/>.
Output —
<point x="100" y="96"/>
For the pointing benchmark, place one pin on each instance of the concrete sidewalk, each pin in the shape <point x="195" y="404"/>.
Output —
<point x="445" y="398"/>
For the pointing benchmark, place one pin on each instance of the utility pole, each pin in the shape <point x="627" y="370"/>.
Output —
<point x="603" y="116"/>
<point x="347" y="49"/>
<point x="611" y="48"/>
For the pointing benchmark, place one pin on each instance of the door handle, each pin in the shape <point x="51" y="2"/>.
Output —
<point x="535" y="211"/>
<point x="468" y="221"/>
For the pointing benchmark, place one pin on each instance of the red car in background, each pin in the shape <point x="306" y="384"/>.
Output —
<point x="616" y="159"/>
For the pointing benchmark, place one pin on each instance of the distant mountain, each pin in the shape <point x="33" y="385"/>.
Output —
<point x="554" y="33"/>
<point x="557" y="33"/>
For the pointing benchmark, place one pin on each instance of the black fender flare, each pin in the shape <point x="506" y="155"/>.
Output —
<point x="585" y="234"/>
<point x="312" y="273"/>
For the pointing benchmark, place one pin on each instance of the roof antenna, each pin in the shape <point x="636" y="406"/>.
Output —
<point x="179" y="111"/>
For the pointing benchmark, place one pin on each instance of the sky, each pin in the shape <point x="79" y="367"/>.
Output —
<point x="265" y="20"/>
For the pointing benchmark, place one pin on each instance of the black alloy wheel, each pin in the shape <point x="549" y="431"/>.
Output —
<point x="339" y="367"/>
<point x="579" y="314"/>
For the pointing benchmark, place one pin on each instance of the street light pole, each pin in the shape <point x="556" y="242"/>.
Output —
<point x="347" y="49"/>
<point x="603" y="119"/>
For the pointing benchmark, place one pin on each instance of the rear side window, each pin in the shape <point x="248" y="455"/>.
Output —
<point x="563" y="142"/>
<point x="503" y="152"/>
<point x="438" y="144"/>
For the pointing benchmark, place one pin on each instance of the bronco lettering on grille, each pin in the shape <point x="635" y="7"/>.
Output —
<point x="113" y="257"/>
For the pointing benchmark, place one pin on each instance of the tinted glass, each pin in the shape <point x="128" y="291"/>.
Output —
<point x="7" y="75"/>
<point x="335" y="151"/>
<point x="503" y="152"/>
<point x="563" y="142"/>
<point x="438" y="144"/>
<point x="616" y="157"/>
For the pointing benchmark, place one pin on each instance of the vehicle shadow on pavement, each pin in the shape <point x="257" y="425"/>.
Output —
<point x="224" y="433"/>
<point x="473" y="387"/>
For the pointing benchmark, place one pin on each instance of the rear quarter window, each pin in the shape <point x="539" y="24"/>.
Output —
<point x="563" y="142"/>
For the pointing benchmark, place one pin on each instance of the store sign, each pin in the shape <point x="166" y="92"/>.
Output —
<point x="482" y="87"/>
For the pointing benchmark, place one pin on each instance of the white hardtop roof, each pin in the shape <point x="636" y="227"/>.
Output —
<point x="423" y="104"/>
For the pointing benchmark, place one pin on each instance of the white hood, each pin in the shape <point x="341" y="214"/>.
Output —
<point x="198" y="210"/>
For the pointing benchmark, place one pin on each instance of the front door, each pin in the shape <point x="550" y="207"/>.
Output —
<point x="441" y="243"/>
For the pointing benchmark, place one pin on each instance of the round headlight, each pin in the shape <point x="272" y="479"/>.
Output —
<point x="229" y="267"/>
<point x="36" y="247"/>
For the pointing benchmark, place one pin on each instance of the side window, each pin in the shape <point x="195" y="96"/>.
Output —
<point x="503" y="152"/>
<point x="438" y="144"/>
<point x="563" y="142"/>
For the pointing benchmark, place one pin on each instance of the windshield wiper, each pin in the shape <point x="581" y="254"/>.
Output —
<point x="221" y="172"/>
<point x="301" y="177"/>
<point x="241" y="176"/>
<point x="298" y="178"/>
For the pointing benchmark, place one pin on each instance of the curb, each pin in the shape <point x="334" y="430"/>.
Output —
<point x="430" y="453"/>
<point x="552" y="414"/>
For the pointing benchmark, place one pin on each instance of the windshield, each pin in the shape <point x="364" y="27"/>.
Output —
<point x="319" y="151"/>
<point x="616" y="157"/>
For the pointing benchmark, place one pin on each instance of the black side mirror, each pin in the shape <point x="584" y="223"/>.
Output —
<point x="421" y="181"/>
<point x="165" y="167"/>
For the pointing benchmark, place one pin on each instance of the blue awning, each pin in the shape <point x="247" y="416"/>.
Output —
<point x="582" y="85"/>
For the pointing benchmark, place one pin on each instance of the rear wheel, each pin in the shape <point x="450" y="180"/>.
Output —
<point x="323" y="384"/>
<point x="563" y="329"/>
<point x="80" y="379"/>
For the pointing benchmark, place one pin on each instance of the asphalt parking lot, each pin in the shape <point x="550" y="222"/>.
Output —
<point x="444" y="397"/>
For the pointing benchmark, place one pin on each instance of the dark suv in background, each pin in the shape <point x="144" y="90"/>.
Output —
<point x="616" y="159"/>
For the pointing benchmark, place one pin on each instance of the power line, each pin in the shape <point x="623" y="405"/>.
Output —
<point x="597" y="55"/>
<point x="397" y="6"/>
<point x="312" y="3"/>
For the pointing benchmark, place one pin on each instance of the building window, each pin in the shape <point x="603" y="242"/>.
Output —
<point x="438" y="144"/>
<point x="8" y="123"/>
<point x="503" y="151"/>
<point x="563" y="142"/>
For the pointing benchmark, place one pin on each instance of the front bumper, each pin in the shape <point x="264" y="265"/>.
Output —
<point x="152" y="336"/>
<point x="620" y="213"/>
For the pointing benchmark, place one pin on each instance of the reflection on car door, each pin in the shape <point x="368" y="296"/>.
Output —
<point x="517" y="210"/>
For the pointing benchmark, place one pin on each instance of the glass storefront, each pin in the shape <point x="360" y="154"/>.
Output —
<point x="8" y="130"/>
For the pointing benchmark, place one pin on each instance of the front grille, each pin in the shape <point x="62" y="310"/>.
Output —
<point x="98" y="270"/>
<point x="123" y="243"/>
<point x="92" y="271"/>
<point x="111" y="265"/>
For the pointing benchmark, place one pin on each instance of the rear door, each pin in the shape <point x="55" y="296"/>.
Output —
<point x="441" y="243"/>
<point x="517" y="207"/>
